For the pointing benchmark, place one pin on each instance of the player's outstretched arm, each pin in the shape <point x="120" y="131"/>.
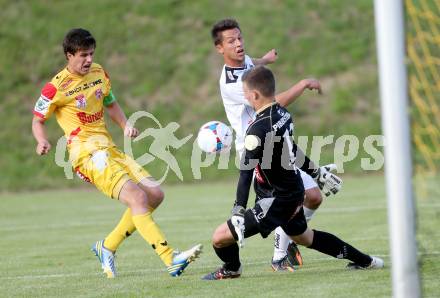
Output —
<point x="268" y="58"/>
<point x="290" y="95"/>
<point x="117" y="115"/>
<point x="39" y="132"/>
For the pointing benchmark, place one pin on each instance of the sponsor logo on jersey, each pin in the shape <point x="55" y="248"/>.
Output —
<point x="42" y="105"/>
<point x="85" y="86"/>
<point x="280" y="112"/>
<point x="91" y="84"/>
<point x="231" y="77"/>
<point x="66" y="84"/>
<point x="72" y="91"/>
<point x="90" y="118"/>
<point x="230" y="74"/>
<point x="98" y="93"/>
<point x="281" y="122"/>
<point x="81" y="101"/>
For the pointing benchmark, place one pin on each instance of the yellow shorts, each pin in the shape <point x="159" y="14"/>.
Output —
<point x="108" y="169"/>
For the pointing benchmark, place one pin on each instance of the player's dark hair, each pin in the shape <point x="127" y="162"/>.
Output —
<point x="78" y="39"/>
<point x="220" y="26"/>
<point x="260" y="78"/>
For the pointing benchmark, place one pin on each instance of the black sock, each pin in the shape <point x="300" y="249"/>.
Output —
<point x="333" y="246"/>
<point x="230" y="256"/>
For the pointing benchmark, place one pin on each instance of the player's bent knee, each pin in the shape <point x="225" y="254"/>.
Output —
<point x="154" y="193"/>
<point x="140" y="198"/>
<point x="135" y="197"/>
<point x="222" y="236"/>
<point x="313" y="198"/>
<point x="216" y="240"/>
<point x="157" y="195"/>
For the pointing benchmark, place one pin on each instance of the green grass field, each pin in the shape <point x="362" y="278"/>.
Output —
<point x="46" y="237"/>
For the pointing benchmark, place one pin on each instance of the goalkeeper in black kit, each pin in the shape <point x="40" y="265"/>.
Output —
<point x="269" y="160"/>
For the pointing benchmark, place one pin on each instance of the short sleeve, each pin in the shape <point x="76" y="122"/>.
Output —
<point x="109" y="98"/>
<point x="45" y="105"/>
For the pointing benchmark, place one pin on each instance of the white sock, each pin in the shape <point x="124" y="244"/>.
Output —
<point x="308" y="213"/>
<point x="281" y="244"/>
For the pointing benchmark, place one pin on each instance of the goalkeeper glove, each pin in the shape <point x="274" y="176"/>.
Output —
<point x="237" y="221"/>
<point x="328" y="182"/>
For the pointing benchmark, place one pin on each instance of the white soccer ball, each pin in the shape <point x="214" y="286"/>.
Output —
<point x="214" y="136"/>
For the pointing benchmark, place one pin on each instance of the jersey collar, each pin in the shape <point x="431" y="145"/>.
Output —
<point x="74" y="74"/>
<point x="265" y="107"/>
<point x="228" y="68"/>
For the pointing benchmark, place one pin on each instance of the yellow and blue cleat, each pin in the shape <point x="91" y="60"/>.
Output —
<point x="106" y="258"/>
<point x="182" y="259"/>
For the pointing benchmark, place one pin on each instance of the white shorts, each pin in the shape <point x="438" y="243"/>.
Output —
<point x="307" y="180"/>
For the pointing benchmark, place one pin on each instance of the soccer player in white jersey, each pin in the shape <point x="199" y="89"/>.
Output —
<point x="228" y="41"/>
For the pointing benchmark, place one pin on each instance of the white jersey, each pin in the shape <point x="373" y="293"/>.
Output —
<point x="238" y="110"/>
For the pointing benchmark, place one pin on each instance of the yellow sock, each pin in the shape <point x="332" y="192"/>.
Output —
<point x="124" y="229"/>
<point x="151" y="232"/>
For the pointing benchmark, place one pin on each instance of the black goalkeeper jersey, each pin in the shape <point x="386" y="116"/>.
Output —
<point x="269" y="157"/>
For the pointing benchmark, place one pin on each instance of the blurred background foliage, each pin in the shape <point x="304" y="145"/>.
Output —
<point x="161" y="60"/>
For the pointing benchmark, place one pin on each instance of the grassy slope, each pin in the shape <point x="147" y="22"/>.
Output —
<point x="157" y="52"/>
<point x="46" y="252"/>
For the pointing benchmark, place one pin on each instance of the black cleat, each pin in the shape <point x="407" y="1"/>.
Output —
<point x="294" y="255"/>
<point x="222" y="273"/>
<point x="376" y="263"/>
<point x="283" y="265"/>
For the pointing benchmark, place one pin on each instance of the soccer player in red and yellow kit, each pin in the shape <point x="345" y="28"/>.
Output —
<point x="77" y="96"/>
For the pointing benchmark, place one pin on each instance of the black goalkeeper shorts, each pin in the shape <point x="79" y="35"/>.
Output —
<point x="270" y="213"/>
